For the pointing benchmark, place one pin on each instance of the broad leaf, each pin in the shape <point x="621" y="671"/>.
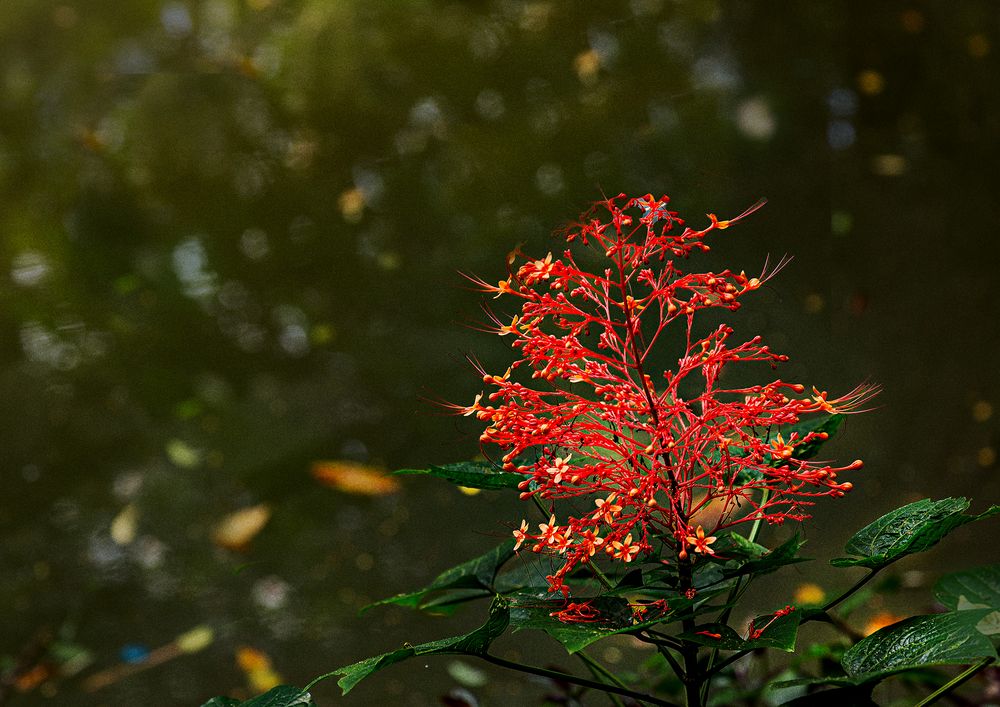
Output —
<point x="476" y="574"/>
<point x="810" y="449"/>
<point x="281" y="696"/>
<point x="980" y="585"/>
<point x="826" y="423"/>
<point x="476" y="475"/>
<point x="978" y="588"/>
<point x="475" y="643"/>
<point x="912" y="528"/>
<point x="780" y="634"/>
<point x="615" y="617"/>
<point x="787" y="553"/>
<point x="921" y="641"/>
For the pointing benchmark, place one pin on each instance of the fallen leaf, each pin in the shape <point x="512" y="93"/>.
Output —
<point x="236" y="530"/>
<point x="125" y="524"/>
<point x="351" y="477"/>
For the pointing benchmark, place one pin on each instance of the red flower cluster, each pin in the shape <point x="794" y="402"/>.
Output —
<point x="645" y="461"/>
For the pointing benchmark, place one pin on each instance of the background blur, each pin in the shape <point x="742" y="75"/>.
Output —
<point x="230" y="240"/>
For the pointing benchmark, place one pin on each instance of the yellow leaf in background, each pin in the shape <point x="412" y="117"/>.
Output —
<point x="352" y="477"/>
<point x="880" y="620"/>
<point x="197" y="639"/>
<point x="257" y="666"/>
<point x="125" y="525"/>
<point x="468" y="491"/>
<point x="236" y="530"/>
<point x="809" y="594"/>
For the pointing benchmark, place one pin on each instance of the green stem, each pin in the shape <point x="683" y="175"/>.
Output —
<point x="603" y="674"/>
<point x="727" y="612"/>
<point x="855" y="587"/>
<point x="573" y="679"/>
<point x="689" y="651"/>
<point x="955" y="682"/>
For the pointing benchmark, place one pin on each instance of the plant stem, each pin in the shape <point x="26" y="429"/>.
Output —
<point x="603" y="674"/>
<point x="573" y="679"/>
<point x="727" y="612"/>
<point x="955" y="682"/>
<point x="689" y="651"/>
<point x="857" y="585"/>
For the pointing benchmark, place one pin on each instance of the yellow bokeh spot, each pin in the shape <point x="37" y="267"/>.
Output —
<point x="871" y="82"/>
<point x="352" y="205"/>
<point x="986" y="457"/>
<point x="982" y="410"/>
<point x="809" y="594"/>
<point x="587" y="64"/>
<point x="469" y="491"/>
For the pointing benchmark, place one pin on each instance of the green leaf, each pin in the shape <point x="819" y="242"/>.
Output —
<point x="536" y="612"/>
<point x="907" y="530"/>
<point x="980" y="585"/>
<point x="787" y="553"/>
<point x="780" y="634"/>
<point x="478" y="573"/>
<point x="829" y="424"/>
<point x="921" y="641"/>
<point x="475" y="643"/>
<point x="978" y="588"/>
<point x="824" y="423"/>
<point x="475" y="475"/>
<point x="281" y="696"/>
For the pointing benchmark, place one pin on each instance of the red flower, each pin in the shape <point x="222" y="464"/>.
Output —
<point x="635" y="454"/>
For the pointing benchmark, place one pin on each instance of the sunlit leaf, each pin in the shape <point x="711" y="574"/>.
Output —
<point x="907" y="530"/>
<point x="921" y="641"/>
<point x="236" y="530"/>
<point x="475" y="643"/>
<point x="478" y="574"/>
<point x="351" y="477"/>
<point x="476" y="475"/>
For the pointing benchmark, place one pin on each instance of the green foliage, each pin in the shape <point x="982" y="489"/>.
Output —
<point x="979" y="586"/>
<point x="779" y="634"/>
<point x="919" y="642"/>
<point x="907" y="530"/>
<point x="475" y="643"/>
<point x="476" y="574"/>
<point x="475" y="475"/>
<point x="281" y="696"/>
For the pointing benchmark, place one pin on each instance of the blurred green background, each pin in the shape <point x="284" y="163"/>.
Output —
<point x="231" y="233"/>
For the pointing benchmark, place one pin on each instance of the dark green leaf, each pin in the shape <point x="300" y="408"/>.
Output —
<point x="478" y="573"/>
<point x="980" y="586"/>
<point x="536" y="612"/>
<point x="281" y="696"/>
<point x="779" y="634"/>
<point x="475" y="643"/>
<point x="829" y="424"/>
<point x="912" y="528"/>
<point x="785" y="554"/>
<point x="939" y="639"/>
<point x="476" y="475"/>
